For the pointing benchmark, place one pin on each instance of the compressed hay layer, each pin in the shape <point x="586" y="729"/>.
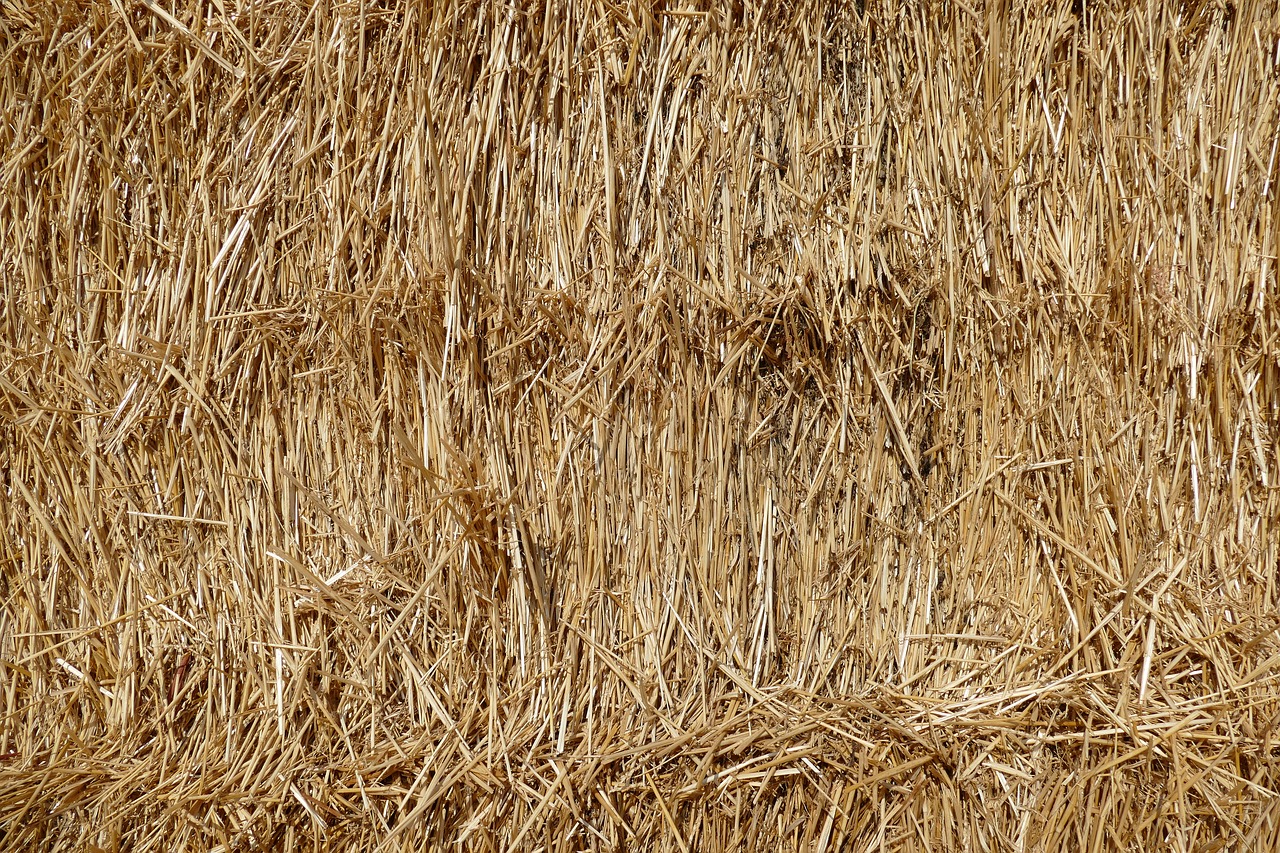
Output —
<point x="585" y="426"/>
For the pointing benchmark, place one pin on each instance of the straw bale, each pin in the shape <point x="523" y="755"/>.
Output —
<point x="593" y="425"/>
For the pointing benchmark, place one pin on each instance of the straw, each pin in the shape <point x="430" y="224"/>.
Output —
<point x="587" y="426"/>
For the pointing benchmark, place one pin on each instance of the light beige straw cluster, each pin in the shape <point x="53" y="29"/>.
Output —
<point x="597" y="426"/>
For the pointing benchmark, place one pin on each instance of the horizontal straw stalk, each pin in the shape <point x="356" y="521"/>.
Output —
<point x="596" y="426"/>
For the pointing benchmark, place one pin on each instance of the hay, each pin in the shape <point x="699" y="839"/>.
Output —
<point x="471" y="426"/>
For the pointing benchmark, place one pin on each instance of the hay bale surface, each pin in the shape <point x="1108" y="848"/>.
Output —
<point x="592" y="426"/>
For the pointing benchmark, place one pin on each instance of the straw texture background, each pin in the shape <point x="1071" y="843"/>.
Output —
<point x="594" y="426"/>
